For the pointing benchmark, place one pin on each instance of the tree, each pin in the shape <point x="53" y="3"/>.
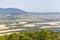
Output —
<point x="13" y="36"/>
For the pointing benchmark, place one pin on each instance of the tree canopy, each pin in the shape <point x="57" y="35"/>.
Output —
<point x="34" y="35"/>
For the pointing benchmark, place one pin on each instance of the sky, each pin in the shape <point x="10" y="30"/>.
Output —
<point x="32" y="5"/>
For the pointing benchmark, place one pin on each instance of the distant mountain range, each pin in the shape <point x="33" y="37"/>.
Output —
<point x="19" y="11"/>
<point x="12" y="11"/>
<point x="14" y="14"/>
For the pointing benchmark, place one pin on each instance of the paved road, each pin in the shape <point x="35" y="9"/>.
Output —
<point x="3" y="32"/>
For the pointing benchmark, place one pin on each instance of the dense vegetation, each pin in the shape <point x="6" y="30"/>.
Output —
<point x="35" y="35"/>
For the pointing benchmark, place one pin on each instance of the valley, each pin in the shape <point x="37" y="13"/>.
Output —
<point x="18" y="19"/>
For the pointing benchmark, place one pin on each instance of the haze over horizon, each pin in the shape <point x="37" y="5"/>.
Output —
<point x="32" y="5"/>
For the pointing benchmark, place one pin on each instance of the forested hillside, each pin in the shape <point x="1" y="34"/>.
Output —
<point x="34" y="35"/>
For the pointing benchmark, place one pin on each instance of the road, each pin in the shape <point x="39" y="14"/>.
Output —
<point x="3" y="32"/>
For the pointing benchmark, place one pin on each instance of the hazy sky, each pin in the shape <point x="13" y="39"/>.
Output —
<point x="32" y="5"/>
